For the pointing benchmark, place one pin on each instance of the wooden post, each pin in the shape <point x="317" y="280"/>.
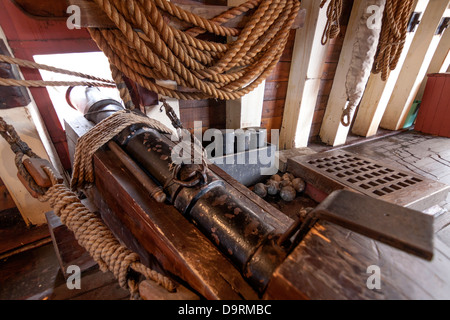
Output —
<point x="246" y="111"/>
<point x="30" y="127"/>
<point x="332" y="131"/>
<point x="439" y="63"/>
<point x="304" y="79"/>
<point x="415" y="66"/>
<point x="378" y="92"/>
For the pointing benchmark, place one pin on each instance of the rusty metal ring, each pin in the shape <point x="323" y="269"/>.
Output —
<point x="197" y="175"/>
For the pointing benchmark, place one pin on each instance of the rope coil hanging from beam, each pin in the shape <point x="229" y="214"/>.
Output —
<point x="201" y="69"/>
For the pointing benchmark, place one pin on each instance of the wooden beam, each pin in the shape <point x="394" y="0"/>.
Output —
<point x="378" y="92"/>
<point x="32" y="210"/>
<point x="93" y="16"/>
<point x="440" y="62"/>
<point x="415" y="66"/>
<point x="304" y="79"/>
<point x="332" y="131"/>
<point x="30" y="127"/>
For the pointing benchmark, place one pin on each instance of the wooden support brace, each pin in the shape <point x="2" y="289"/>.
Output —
<point x="415" y="66"/>
<point x="440" y="62"/>
<point x="332" y="131"/>
<point x="93" y="16"/>
<point x="378" y="92"/>
<point x="304" y="78"/>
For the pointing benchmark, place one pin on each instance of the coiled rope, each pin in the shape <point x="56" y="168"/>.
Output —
<point x="393" y="34"/>
<point x="88" y="228"/>
<point x="204" y="69"/>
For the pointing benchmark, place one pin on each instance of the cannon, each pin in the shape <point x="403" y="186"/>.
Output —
<point x="260" y="247"/>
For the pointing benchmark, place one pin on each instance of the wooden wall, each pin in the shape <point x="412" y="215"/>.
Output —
<point x="275" y="91"/>
<point x="331" y="63"/>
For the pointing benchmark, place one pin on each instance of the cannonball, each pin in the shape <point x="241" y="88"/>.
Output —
<point x="275" y="177"/>
<point x="285" y="183"/>
<point x="273" y="187"/>
<point x="298" y="184"/>
<point x="287" y="176"/>
<point x="287" y="193"/>
<point x="260" y="189"/>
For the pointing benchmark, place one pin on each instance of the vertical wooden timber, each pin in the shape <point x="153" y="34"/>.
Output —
<point x="439" y="63"/>
<point x="304" y="78"/>
<point x="378" y="92"/>
<point x="246" y="111"/>
<point x="332" y="131"/>
<point x="415" y="66"/>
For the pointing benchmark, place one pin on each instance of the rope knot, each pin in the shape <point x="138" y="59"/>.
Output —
<point x="20" y="146"/>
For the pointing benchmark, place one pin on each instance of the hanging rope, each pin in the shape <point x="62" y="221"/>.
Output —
<point x="334" y="12"/>
<point x="205" y="69"/>
<point x="393" y="34"/>
<point x="96" y="81"/>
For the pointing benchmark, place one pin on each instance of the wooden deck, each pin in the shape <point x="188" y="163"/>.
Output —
<point x="35" y="274"/>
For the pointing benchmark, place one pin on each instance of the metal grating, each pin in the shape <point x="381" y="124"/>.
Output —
<point x="363" y="175"/>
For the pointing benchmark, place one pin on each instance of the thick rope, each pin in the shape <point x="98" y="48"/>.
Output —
<point x="20" y="150"/>
<point x="89" y="230"/>
<point x="96" y="81"/>
<point x="393" y="34"/>
<point x="332" y="27"/>
<point x="207" y="69"/>
<point x="89" y="143"/>
<point x="93" y="235"/>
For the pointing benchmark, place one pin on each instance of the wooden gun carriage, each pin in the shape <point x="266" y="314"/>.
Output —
<point x="219" y="259"/>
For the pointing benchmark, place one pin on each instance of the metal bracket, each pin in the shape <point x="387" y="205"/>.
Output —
<point x="414" y="21"/>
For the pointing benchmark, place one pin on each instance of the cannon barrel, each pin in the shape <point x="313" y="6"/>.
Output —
<point x="228" y="221"/>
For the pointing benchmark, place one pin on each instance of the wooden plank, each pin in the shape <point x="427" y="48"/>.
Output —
<point x="11" y="97"/>
<point x="378" y="92"/>
<point x="332" y="263"/>
<point x="18" y="237"/>
<point x="332" y="132"/>
<point x="440" y="62"/>
<point x="67" y="249"/>
<point x="93" y="16"/>
<point x="32" y="210"/>
<point x="6" y="201"/>
<point x="304" y="78"/>
<point x="415" y="66"/>
<point x="426" y="99"/>
<point x="177" y="245"/>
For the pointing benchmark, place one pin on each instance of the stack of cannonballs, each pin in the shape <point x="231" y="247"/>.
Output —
<point x="286" y="185"/>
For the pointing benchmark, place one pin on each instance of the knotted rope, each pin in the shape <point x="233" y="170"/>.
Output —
<point x="334" y="12"/>
<point x="88" y="228"/>
<point x="93" y="235"/>
<point x="393" y="34"/>
<point x="20" y="150"/>
<point x="205" y="69"/>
